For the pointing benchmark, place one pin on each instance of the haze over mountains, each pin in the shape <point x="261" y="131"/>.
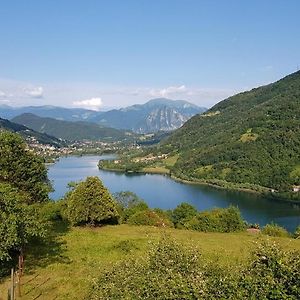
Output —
<point x="156" y="115"/>
<point x="252" y="137"/>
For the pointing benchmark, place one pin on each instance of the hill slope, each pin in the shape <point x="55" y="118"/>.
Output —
<point x="48" y="267"/>
<point x="70" y="130"/>
<point x="29" y="134"/>
<point x="252" y="137"/>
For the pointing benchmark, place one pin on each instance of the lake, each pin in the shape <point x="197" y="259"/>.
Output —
<point x="163" y="192"/>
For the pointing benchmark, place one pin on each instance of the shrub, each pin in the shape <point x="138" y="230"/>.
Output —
<point x="169" y="271"/>
<point x="297" y="232"/>
<point x="183" y="213"/>
<point x="128" y="204"/>
<point x="271" y="273"/>
<point x="275" y="230"/>
<point x="91" y="203"/>
<point x="217" y="220"/>
<point x="51" y="211"/>
<point x="150" y="218"/>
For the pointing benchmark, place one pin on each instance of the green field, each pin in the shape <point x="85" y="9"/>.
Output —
<point x="65" y="267"/>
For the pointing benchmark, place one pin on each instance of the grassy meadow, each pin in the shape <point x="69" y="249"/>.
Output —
<point x="65" y="266"/>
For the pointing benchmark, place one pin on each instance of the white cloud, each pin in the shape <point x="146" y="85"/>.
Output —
<point x="2" y="94"/>
<point x="34" y="92"/>
<point x="93" y="103"/>
<point x="169" y="91"/>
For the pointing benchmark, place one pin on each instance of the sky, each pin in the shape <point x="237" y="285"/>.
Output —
<point x="102" y="54"/>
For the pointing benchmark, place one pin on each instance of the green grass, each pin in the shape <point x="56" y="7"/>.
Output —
<point x="64" y="268"/>
<point x="171" y="161"/>
<point x="156" y="170"/>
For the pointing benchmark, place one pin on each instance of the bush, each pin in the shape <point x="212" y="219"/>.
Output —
<point x="172" y="271"/>
<point x="169" y="271"/>
<point x="91" y="203"/>
<point x="183" y="213"/>
<point x="275" y="230"/>
<point x="128" y="204"/>
<point x="150" y="218"/>
<point x="52" y="211"/>
<point x="217" y="220"/>
<point x="271" y="273"/>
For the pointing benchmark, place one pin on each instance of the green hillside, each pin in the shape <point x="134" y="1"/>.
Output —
<point x="250" y="138"/>
<point x="71" y="130"/>
<point x="29" y="134"/>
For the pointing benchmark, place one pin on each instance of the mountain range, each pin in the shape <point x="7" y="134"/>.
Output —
<point x="72" y="131"/>
<point x="155" y="115"/>
<point x="250" y="138"/>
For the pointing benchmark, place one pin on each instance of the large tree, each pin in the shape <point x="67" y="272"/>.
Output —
<point x="22" y="168"/>
<point x="19" y="223"/>
<point x="91" y="203"/>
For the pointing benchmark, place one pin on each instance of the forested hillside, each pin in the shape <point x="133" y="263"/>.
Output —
<point x="252" y="137"/>
<point x="71" y="130"/>
<point x="29" y="134"/>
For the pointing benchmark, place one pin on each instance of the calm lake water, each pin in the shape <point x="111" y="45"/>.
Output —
<point x="163" y="192"/>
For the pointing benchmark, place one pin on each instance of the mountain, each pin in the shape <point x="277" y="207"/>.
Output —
<point x="60" y="113"/>
<point x="71" y="130"/>
<point x="29" y="134"/>
<point x="250" y="138"/>
<point x="155" y="115"/>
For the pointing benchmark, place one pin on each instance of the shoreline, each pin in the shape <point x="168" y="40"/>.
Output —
<point x="262" y="191"/>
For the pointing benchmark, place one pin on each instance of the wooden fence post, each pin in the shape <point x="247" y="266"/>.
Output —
<point x="12" y="287"/>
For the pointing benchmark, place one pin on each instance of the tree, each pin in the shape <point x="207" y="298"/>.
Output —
<point x="128" y="204"/>
<point x="23" y="169"/>
<point x="91" y="203"/>
<point x="19" y="223"/>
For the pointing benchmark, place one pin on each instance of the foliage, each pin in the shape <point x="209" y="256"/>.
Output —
<point x="52" y="210"/>
<point x="29" y="134"/>
<point x="22" y="169"/>
<point x="149" y="217"/>
<point x="128" y="204"/>
<point x="275" y="230"/>
<point x="271" y="273"/>
<point x="70" y="130"/>
<point x="297" y="232"/>
<point x="253" y="139"/>
<point x="91" y="203"/>
<point x="217" y="220"/>
<point x="182" y="214"/>
<point x="169" y="271"/>
<point x="19" y="223"/>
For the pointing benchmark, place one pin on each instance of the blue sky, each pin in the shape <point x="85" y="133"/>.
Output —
<point x="120" y="52"/>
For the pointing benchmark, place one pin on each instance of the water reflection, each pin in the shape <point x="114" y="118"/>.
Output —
<point x="161" y="191"/>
